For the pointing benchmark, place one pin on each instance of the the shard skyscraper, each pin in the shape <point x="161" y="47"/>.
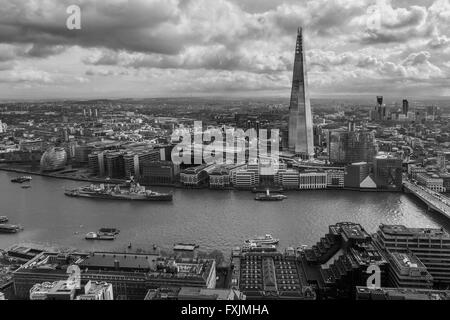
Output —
<point x="300" y="138"/>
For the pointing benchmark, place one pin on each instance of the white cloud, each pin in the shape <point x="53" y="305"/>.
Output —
<point x="228" y="45"/>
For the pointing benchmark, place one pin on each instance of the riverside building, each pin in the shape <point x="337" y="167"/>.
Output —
<point x="130" y="274"/>
<point x="312" y="180"/>
<point x="407" y="271"/>
<point x="431" y="246"/>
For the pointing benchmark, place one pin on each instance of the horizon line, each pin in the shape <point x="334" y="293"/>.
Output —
<point x="228" y="97"/>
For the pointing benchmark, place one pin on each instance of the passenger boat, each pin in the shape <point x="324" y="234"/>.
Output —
<point x="21" y="179"/>
<point x="97" y="236"/>
<point x="109" y="231"/>
<point x="258" y="247"/>
<point x="267" y="239"/>
<point x="10" y="228"/>
<point x="269" y="197"/>
<point x="184" y="247"/>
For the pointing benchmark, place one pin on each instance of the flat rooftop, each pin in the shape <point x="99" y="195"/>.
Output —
<point x="367" y="254"/>
<point x="401" y="230"/>
<point x="350" y="229"/>
<point x="121" y="260"/>
<point x="401" y="294"/>
<point x="197" y="169"/>
<point x="407" y="260"/>
<point x="153" y="265"/>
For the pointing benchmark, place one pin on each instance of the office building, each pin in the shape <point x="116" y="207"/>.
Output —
<point x="159" y="173"/>
<point x="194" y="293"/>
<point x="96" y="163"/>
<point x="431" y="180"/>
<point x="312" y="180"/>
<point x="282" y="167"/>
<point x="196" y="176"/>
<point x="364" y="293"/>
<point x="244" y="179"/>
<point x="270" y="275"/>
<point x="289" y="179"/>
<point x="255" y="167"/>
<point x="356" y="176"/>
<point x="441" y="162"/>
<point x="431" y="246"/>
<point x="300" y="117"/>
<point x="130" y="274"/>
<point x="342" y="257"/>
<point x="420" y="115"/>
<point x="413" y="170"/>
<point x="346" y="147"/>
<point x="221" y="177"/>
<point x="60" y="290"/>
<point x="432" y="112"/>
<point x="57" y="290"/>
<point x="379" y="113"/>
<point x="95" y="290"/>
<point x="55" y="158"/>
<point x="335" y="178"/>
<point x="407" y="271"/>
<point x="82" y="154"/>
<point x="405" y="107"/>
<point x="135" y="159"/>
<point x="388" y="170"/>
<point x="114" y="164"/>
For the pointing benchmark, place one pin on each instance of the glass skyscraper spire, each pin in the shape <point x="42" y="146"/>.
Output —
<point x="300" y="117"/>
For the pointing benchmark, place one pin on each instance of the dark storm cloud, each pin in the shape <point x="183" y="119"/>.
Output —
<point x="136" y="25"/>
<point x="13" y="52"/>
<point x="162" y="26"/>
<point x="40" y="51"/>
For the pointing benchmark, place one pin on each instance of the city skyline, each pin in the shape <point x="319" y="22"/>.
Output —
<point x="258" y="150"/>
<point x="225" y="48"/>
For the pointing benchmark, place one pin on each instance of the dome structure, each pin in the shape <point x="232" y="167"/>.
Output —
<point x="54" y="158"/>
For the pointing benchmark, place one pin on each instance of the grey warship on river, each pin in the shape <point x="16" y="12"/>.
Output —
<point x="131" y="191"/>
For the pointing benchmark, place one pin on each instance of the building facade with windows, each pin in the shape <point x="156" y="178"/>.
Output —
<point x="431" y="246"/>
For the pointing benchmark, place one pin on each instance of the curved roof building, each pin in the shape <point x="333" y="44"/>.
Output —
<point x="54" y="158"/>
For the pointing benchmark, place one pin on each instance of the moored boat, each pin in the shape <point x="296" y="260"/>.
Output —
<point x="97" y="236"/>
<point x="9" y="228"/>
<point x="109" y="231"/>
<point x="267" y="239"/>
<point x="134" y="192"/>
<point x="21" y="179"/>
<point x="258" y="247"/>
<point x="3" y="219"/>
<point x="184" y="247"/>
<point x="269" y="197"/>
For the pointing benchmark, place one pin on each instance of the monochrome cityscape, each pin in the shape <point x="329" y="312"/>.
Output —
<point x="312" y="166"/>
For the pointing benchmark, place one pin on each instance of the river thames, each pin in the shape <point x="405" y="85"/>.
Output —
<point x="213" y="219"/>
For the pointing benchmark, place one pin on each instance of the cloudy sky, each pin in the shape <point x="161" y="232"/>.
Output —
<point x="154" y="48"/>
